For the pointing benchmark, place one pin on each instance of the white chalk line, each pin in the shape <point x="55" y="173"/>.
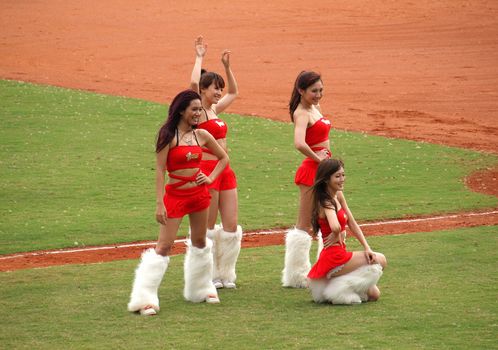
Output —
<point x="268" y="232"/>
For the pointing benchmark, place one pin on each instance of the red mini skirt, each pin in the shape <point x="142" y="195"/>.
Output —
<point x="225" y="181"/>
<point x="329" y="259"/>
<point x="180" y="202"/>
<point x="305" y="174"/>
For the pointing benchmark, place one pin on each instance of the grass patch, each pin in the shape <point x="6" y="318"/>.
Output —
<point x="77" y="169"/>
<point x="439" y="292"/>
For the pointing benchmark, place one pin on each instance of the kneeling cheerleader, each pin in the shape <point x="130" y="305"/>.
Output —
<point x="340" y="276"/>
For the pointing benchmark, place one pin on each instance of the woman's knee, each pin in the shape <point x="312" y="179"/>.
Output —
<point x="163" y="249"/>
<point x="381" y="259"/>
<point x="373" y="293"/>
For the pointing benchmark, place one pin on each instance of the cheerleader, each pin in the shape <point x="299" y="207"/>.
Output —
<point x="179" y="151"/>
<point x="224" y="199"/>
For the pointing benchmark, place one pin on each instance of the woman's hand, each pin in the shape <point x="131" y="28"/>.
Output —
<point x="203" y="179"/>
<point x="225" y="58"/>
<point x="200" y="47"/>
<point x="333" y="239"/>
<point x="371" y="258"/>
<point x="323" y="154"/>
<point x="161" y="214"/>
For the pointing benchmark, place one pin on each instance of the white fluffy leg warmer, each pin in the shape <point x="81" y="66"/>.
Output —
<point x="213" y="236"/>
<point x="198" y="270"/>
<point x="148" y="277"/>
<point x="297" y="259"/>
<point x="350" y="288"/>
<point x="227" y="252"/>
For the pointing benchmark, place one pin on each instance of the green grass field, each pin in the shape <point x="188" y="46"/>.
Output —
<point x="77" y="169"/>
<point x="439" y="292"/>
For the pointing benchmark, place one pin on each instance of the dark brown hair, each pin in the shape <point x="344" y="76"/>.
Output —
<point x="320" y="196"/>
<point x="207" y="78"/>
<point x="179" y="104"/>
<point x="303" y="81"/>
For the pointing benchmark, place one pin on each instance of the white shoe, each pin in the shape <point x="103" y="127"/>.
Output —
<point x="218" y="284"/>
<point x="229" y="285"/>
<point x="148" y="311"/>
<point x="212" y="299"/>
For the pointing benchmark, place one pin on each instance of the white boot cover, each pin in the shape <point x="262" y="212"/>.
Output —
<point x="317" y="286"/>
<point x="148" y="277"/>
<point x="352" y="288"/>
<point x="198" y="270"/>
<point x="297" y="259"/>
<point x="213" y="235"/>
<point x="228" y="248"/>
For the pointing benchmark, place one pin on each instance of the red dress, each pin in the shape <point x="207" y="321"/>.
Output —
<point x="182" y="201"/>
<point x="315" y="134"/>
<point x="226" y="180"/>
<point x="333" y="256"/>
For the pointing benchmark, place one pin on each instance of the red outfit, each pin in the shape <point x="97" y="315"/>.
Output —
<point x="227" y="179"/>
<point x="315" y="134"/>
<point x="182" y="201"/>
<point x="333" y="256"/>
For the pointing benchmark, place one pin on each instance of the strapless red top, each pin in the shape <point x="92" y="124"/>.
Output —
<point x="318" y="132"/>
<point x="216" y="127"/>
<point x="324" y="223"/>
<point x="184" y="157"/>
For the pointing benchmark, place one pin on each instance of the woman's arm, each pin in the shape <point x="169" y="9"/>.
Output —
<point x="200" y="51"/>
<point x="355" y="228"/>
<point x="233" y="90"/>
<point x="209" y="142"/>
<point x="160" y="172"/>
<point x="300" y="126"/>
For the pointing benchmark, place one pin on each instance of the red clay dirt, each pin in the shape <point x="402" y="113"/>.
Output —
<point x="419" y="70"/>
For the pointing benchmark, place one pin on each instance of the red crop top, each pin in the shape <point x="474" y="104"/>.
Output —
<point x="216" y="127"/>
<point x="318" y="132"/>
<point x="324" y="223"/>
<point x="184" y="157"/>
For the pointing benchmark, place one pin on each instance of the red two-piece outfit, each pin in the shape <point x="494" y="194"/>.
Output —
<point x="226" y="180"/>
<point x="315" y="134"/>
<point x="182" y="201"/>
<point x="333" y="256"/>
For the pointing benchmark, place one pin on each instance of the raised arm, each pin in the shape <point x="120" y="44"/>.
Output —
<point x="232" y="89"/>
<point x="160" y="172"/>
<point x="200" y="51"/>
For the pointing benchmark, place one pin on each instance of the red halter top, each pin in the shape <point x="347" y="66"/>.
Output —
<point x="184" y="157"/>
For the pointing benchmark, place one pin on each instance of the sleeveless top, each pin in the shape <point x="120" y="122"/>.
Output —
<point x="184" y="157"/>
<point x="216" y="127"/>
<point x="324" y="223"/>
<point x="318" y="132"/>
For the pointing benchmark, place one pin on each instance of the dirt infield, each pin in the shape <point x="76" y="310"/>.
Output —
<point x="420" y="70"/>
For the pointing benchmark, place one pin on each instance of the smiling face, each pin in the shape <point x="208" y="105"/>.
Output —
<point x="336" y="181"/>
<point x="192" y="113"/>
<point x="313" y="94"/>
<point x="213" y="93"/>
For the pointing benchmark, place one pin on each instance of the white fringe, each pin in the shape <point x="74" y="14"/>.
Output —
<point x="297" y="259"/>
<point x="198" y="269"/>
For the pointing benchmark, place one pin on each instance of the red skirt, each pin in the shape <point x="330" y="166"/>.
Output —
<point x="180" y="202"/>
<point x="225" y="181"/>
<point x="329" y="259"/>
<point x="305" y="174"/>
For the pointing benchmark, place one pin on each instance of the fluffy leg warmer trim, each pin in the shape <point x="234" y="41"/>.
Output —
<point x="227" y="248"/>
<point x="213" y="236"/>
<point x="297" y="259"/>
<point x="352" y="288"/>
<point x="198" y="270"/>
<point x="148" y="277"/>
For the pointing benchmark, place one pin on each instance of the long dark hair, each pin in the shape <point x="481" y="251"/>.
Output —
<point x="207" y="78"/>
<point x="178" y="105"/>
<point x="320" y="196"/>
<point x="303" y="81"/>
